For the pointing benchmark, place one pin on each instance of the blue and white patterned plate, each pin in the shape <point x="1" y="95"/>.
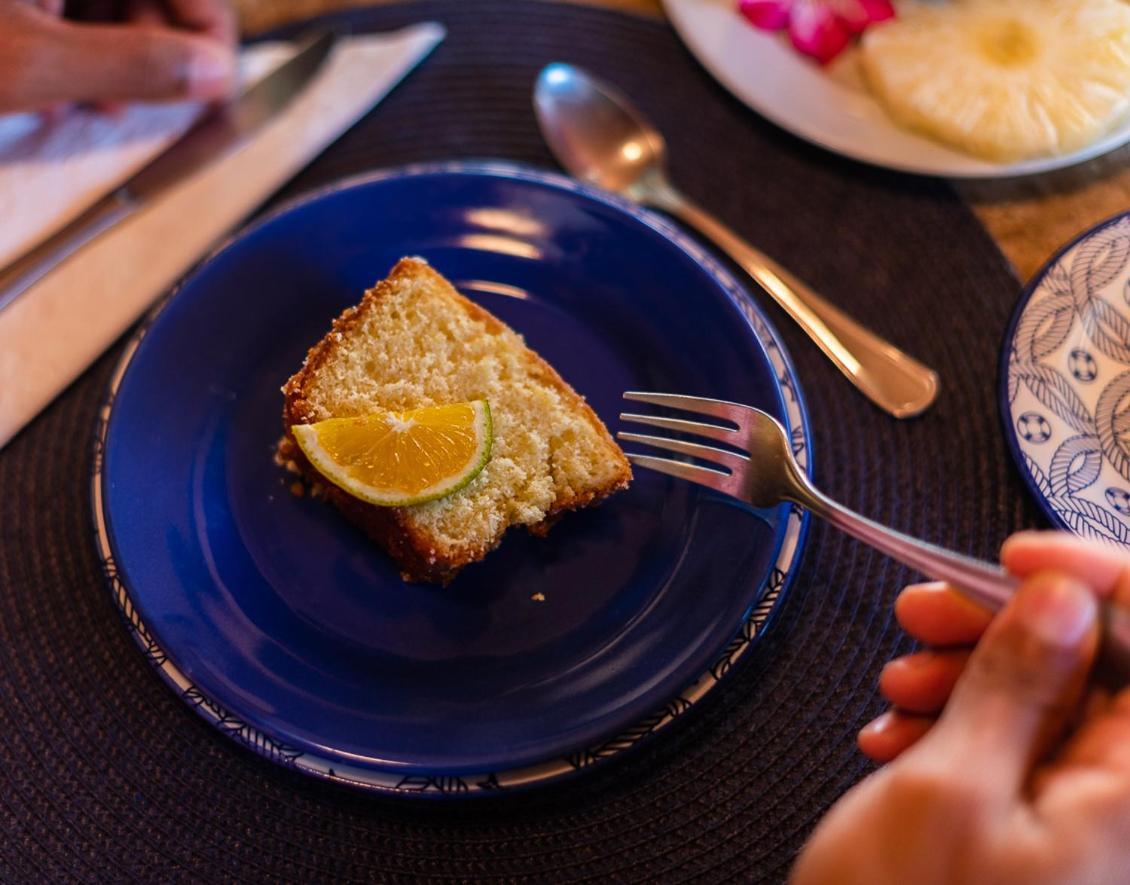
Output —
<point x="1065" y="384"/>
<point x="284" y="627"/>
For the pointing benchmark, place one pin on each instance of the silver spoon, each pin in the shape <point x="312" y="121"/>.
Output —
<point x="600" y="138"/>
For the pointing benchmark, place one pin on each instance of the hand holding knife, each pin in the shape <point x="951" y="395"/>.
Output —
<point x="222" y="130"/>
<point x="51" y="333"/>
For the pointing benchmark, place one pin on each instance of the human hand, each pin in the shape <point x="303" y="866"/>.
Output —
<point x="152" y="50"/>
<point x="1024" y="774"/>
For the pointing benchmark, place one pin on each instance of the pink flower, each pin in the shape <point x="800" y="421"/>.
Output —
<point x="819" y="28"/>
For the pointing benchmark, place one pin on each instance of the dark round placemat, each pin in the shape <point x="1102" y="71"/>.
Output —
<point x="106" y="776"/>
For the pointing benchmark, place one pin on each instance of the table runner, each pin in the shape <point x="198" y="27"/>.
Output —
<point x="106" y="775"/>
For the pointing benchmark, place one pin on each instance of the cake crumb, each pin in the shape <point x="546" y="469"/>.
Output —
<point x="297" y="489"/>
<point x="538" y="597"/>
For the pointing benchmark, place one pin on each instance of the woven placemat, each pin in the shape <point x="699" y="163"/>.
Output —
<point x="106" y="776"/>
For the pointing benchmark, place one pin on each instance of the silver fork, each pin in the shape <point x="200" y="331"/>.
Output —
<point x="769" y="475"/>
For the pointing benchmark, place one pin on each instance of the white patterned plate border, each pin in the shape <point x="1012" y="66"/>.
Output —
<point x="1065" y="384"/>
<point x="391" y="781"/>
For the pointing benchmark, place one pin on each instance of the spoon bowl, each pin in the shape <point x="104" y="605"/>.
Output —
<point x="594" y="131"/>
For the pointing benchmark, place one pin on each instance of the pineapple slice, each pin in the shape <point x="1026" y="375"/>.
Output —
<point x="1006" y="80"/>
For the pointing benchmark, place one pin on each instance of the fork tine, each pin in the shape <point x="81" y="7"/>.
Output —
<point x="695" y="450"/>
<point x="698" y="428"/>
<point x="704" y="476"/>
<point x="719" y="408"/>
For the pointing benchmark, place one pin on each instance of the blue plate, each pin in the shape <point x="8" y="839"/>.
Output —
<point x="1065" y="384"/>
<point x="287" y="629"/>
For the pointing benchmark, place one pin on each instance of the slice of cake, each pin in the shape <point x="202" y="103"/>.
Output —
<point x="414" y="341"/>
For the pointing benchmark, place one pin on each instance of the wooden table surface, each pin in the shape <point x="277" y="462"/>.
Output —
<point x="1030" y="218"/>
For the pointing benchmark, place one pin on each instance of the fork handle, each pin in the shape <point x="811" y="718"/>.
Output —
<point x="982" y="582"/>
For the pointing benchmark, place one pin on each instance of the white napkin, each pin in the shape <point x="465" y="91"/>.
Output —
<point x="48" y="175"/>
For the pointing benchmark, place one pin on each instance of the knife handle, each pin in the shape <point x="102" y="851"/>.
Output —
<point x="19" y="276"/>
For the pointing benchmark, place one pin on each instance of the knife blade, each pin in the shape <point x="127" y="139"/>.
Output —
<point x="216" y="134"/>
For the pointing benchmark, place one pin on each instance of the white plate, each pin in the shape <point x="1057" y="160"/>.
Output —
<point x="830" y="106"/>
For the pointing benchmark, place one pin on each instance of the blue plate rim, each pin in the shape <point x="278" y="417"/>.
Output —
<point x="1003" y="409"/>
<point x="395" y="780"/>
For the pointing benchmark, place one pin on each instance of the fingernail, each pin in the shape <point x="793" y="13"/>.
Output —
<point x="920" y="660"/>
<point x="879" y="725"/>
<point x="1058" y="610"/>
<point x="210" y="71"/>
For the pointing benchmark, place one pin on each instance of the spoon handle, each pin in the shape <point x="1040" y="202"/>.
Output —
<point x="893" y="380"/>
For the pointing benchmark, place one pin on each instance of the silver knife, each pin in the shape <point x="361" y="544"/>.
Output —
<point x="218" y="133"/>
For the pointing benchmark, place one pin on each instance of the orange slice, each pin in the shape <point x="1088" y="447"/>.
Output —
<point x="393" y="459"/>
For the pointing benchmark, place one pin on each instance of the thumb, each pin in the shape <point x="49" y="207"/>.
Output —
<point x="83" y="62"/>
<point x="1023" y="681"/>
